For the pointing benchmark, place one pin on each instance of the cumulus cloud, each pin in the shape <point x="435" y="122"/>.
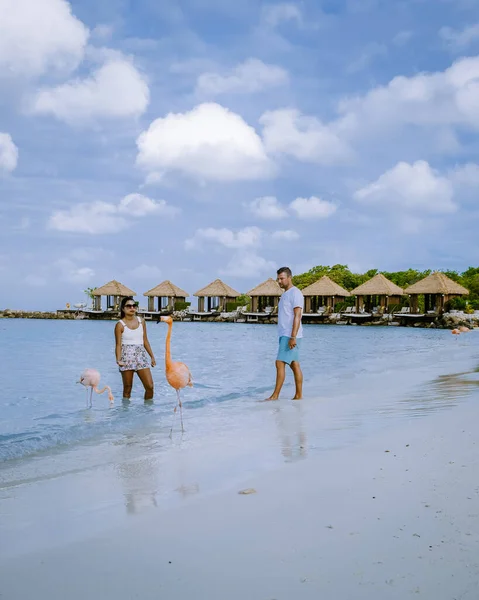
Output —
<point x="268" y="208"/>
<point x="115" y="90"/>
<point x="287" y="235"/>
<point x="465" y="175"/>
<point x="246" y="78"/>
<point x="208" y="142"/>
<point x="274" y="14"/>
<point x="448" y="98"/>
<point x="312" y="208"/>
<point x="410" y="187"/>
<point x="39" y="36"/>
<point x="249" y="236"/>
<point x="305" y="138"/>
<point x="69" y="271"/>
<point x="246" y="264"/>
<point x="8" y="153"/>
<point x="460" y="39"/>
<point x="104" y="217"/>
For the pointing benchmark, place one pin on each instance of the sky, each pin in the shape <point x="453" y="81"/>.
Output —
<point x="195" y="139"/>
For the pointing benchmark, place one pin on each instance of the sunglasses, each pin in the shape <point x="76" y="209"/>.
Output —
<point x="131" y="305"/>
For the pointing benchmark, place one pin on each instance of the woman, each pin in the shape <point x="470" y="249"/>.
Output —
<point x="131" y="347"/>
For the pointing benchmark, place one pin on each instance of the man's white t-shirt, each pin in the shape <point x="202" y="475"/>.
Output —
<point x="290" y="300"/>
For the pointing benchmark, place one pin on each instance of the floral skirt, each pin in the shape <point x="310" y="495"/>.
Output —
<point x="134" y="357"/>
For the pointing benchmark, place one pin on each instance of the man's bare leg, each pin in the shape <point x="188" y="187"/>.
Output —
<point x="280" y="375"/>
<point x="298" y="380"/>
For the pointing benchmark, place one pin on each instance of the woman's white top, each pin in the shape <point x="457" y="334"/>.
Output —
<point x="132" y="336"/>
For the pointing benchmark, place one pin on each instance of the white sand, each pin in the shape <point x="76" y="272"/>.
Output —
<point x="349" y="524"/>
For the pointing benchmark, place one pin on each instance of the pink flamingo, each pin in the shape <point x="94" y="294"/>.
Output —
<point x="177" y="373"/>
<point x="464" y="329"/>
<point x="90" y="378"/>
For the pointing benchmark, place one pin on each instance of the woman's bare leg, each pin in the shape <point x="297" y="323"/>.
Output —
<point x="147" y="381"/>
<point x="127" y="377"/>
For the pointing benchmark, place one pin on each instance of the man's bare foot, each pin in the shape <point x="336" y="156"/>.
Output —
<point x="273" y="397"/>
<point x="298" y="398"/>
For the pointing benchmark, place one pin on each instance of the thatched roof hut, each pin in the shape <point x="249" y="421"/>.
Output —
<point x="322" y="292"/>
<point x="265" y="294"/>
<point x="377" y="291"/>
<point x="167" y="293"/>
<point x="437" y="283"/>
<point x="437" y="289"/>
<point x="114" y="292"/>
<point x="219" y="290"/>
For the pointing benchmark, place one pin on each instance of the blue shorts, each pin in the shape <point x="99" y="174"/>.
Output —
<point x="285" y="354"/>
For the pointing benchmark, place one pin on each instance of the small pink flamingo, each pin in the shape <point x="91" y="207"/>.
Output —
<point x="177" y="373"/>
<point x="464" y="329"/>
<point x="90" y="378"/>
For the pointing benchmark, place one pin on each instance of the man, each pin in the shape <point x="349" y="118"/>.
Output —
<point x="290" y="333"/>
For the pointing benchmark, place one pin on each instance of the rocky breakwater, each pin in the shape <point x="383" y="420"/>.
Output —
<point x="8" y="313"/>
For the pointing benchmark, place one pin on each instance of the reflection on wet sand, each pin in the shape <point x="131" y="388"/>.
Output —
<point x="145" y="478"/>
<point x="291" y="432"/>
<point x="443" y="392"/>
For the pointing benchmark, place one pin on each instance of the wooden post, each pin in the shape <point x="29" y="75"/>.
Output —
<point x="151" y="303"/>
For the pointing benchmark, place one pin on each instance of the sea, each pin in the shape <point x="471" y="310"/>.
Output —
<point x="119" y="459"/>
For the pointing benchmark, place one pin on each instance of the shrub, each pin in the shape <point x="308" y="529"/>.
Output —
<point x="181" y="305"/>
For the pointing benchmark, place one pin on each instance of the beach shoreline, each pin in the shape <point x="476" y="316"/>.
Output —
<point x="392" y="516"/>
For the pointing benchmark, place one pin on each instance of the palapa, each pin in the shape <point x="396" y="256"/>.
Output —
<point x="325" y="287"/>
<point x="437" y="283"/>
<point x="113" y="288"/>
<point x="217" y="289"/>
<point x="378" y="286"/>
<point x="166" y="289"/>
<point x="268" y="288"/>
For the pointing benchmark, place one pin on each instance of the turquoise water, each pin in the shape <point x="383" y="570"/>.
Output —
<point x="42" y="409"/>
<point x="68" y="472"/>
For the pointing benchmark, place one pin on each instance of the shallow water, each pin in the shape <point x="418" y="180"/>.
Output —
<point x="61" y="463"/>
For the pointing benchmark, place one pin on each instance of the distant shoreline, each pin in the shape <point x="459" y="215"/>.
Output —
<point x="446" y="321"/>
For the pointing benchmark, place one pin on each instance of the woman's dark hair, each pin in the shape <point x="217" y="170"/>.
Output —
<point x="122" y="305"/>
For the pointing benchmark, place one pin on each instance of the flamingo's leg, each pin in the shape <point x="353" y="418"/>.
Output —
<point x="174" y="420"/>
<point x="86" y="389"/>
<point x="91" y="397"/>
<point x="181" y="410"/>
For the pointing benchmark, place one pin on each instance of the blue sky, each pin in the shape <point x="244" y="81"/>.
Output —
<point x="189" y="140"/>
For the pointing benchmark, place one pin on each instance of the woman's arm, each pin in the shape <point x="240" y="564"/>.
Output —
<point x="118" y="332"/>
<point x="146" y="343"/>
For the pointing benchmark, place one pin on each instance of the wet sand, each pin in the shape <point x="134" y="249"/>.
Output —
<point x="391" y="516"/>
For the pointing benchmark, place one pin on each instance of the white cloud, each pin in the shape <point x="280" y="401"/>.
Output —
<point x="312" y="208"/>
<point x="460" y="39"/>
<point x="102" y="32"/>
<point x="247" y="264"/>
<point x="71" y="272"/>
<point x="103" y="217"/>
<point x="246" y="78"/>
<point x="414" y="188"/>
<point x="115" y="90"/>
<point x="39" y="36"/>
<point x="466" y="175"/>
<point x="249" y="236"/>
<point x="305" y="138"/>
<point x="268" y="208"/>
<point x="427" y="99"/>
<point x="209" y="142"/>
<point x="274" y="14"/>
<point x="287" y="235"/>
<point x="8" y="153"/>
<point x="140" y="206"/>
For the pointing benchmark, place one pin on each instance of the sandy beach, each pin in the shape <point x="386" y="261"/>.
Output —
<point x="391" y="516"/>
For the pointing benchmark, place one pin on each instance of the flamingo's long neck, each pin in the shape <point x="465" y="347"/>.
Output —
<point x="167" y="346"/>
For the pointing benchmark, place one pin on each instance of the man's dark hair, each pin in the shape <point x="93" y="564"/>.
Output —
<point x="286" y="270"/>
